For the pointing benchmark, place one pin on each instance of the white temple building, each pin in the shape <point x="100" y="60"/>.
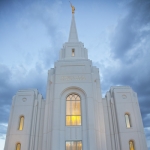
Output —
<point x="74" y="116"/>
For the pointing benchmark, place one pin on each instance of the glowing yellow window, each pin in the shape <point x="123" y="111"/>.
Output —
<point x="127" y="119"/>
<point x="73" y="145"/>
<point x="131" y="145"/>
<point x="73" y="110"/>
<point x="18" y="146"/>
<point x="21" y="123"/>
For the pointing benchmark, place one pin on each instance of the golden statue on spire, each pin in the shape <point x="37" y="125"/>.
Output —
<point x="73" y="8"/>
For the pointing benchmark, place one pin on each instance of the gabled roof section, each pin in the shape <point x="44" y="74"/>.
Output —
<point x="73" y="36"/>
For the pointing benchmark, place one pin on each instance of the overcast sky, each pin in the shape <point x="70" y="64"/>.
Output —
<point x="115" y="32"/>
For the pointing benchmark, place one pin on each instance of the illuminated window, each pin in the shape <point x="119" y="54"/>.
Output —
<point x="73" y="110"/>
<point x="73" y="145"/>
<point x="127" y="119"/>
<point x="73" y="52"/>
<point x="131" y="145"/>
<point x="21" y="122"/>
<point x="18" y="146"/>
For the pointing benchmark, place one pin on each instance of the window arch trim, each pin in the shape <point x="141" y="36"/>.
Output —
<point x="73" y="93"/>
<point x="71" y="89"/>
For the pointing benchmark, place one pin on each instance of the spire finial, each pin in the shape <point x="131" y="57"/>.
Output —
<point x="73" y="8"/>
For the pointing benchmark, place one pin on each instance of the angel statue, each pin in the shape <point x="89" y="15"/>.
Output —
<point x="73" y="8"/>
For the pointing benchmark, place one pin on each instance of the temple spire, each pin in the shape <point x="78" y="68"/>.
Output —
<point x="73" y="36"/>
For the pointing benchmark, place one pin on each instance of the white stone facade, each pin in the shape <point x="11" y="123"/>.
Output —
<point x="103" y="125"/>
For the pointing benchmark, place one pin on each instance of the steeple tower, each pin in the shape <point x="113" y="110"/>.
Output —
<point x="73" y="49"/>
<point x="73" y="36"/>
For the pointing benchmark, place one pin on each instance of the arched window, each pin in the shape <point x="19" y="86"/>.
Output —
<point x="131" y="145"/>
<point x="18" y="146"/>
<point x="73" y="110"/>
<point x="21" y="122"/>
<point x="128" y="121"/>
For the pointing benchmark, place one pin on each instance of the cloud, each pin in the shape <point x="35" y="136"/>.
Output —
<point x="11" y="80"/>
<point x="129" y="55"/>
<point x="3" y="128"/>
<point x="129" y="52"/>
<point x="5" y="75"/>
<point x="33" y="29"/>
<point x="132" y="31"/>
<point x="29" y="53"/>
